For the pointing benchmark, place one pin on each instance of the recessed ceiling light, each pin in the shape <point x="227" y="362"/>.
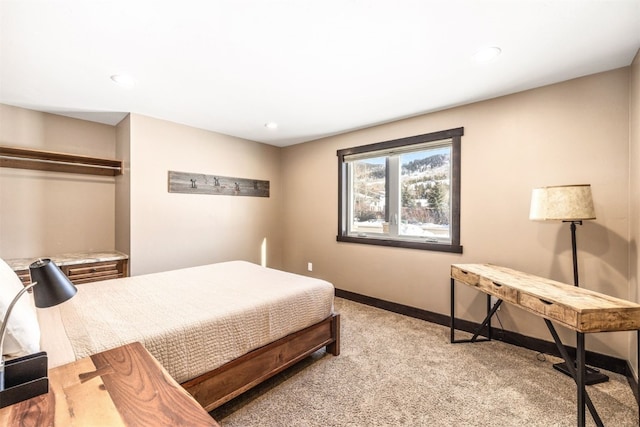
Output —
<point x="271" y="125"/>
<point x="486" y="54"/>
<point x="123" y="80"/>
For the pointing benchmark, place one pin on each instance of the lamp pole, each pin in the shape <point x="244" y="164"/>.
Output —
<point x="574" y="250"/>
<point x="3" y="329"/>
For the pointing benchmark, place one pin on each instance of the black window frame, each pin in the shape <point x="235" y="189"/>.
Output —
<point x="343" y="190"/>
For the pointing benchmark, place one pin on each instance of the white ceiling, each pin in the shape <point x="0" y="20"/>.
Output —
<point x="316" y="67"/>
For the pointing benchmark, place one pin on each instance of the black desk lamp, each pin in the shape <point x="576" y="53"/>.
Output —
<point x="572" y="204"/>
<point x="25" y="375"/>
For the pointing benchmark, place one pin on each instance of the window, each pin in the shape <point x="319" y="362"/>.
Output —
<point x="403" y="193"/>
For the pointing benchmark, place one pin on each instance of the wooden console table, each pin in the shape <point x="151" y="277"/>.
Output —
<point x="124" y="386"/>
<point x="579" y="309"/>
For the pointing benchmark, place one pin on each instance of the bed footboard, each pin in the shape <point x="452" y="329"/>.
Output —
<point x="217" y="387"/>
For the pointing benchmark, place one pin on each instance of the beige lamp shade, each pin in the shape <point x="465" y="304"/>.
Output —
<point x="562" y="203"/>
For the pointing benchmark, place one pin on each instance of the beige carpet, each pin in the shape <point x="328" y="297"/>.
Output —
<point x="398" y="371"/>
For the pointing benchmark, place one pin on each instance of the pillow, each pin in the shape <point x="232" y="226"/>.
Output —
<point x="23" y="331"/>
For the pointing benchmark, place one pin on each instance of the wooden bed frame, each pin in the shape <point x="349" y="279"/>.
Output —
<point x="217" y="387"/>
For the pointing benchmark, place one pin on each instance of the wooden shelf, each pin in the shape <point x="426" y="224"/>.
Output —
<point x="23" y="158"/>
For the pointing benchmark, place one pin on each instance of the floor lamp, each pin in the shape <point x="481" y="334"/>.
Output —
<point x="572" y="204"/>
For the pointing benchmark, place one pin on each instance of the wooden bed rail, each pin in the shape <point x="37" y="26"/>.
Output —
<point x="217" y="387"/>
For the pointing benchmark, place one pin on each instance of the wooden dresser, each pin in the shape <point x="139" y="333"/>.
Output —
<point x="80" y="267"/>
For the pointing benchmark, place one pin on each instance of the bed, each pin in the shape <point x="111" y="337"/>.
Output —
<point x="218" y="329"/>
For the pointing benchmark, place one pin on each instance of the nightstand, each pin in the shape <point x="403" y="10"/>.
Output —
<point x="124" y="386"/>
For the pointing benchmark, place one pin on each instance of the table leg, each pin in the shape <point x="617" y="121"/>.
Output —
<point x="571" y="366"/>
<point x="580" y="378"/>
<point x="478" y="330"/>
<point x="489" y="328"/>
<point x="453" y="305"/>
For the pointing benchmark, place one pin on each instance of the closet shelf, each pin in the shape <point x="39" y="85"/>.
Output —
<point x="23" y="158"/>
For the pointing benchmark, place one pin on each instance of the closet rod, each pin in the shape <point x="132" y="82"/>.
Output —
<point x="59" y="162"/>
<point x="24" y="158"/>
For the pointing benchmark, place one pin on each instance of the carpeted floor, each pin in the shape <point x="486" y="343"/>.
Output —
<point x="394" y="370"/>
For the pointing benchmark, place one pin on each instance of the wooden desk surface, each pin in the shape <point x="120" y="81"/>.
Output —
<point x="125" y="386"/>
<point x="574" y="307"/>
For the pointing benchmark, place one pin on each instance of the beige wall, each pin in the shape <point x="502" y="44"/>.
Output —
<point x="634" y="193"/>
<point x="46" y="213"/>
<point x="123" y="187"/>
<point x="573" y="132"/>
<point x="171" y="230"/>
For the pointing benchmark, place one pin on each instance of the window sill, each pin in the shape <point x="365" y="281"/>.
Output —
<point x="438" y="247"/>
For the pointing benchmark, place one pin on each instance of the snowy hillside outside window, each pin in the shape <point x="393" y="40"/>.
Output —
<point x="403" y="193"/>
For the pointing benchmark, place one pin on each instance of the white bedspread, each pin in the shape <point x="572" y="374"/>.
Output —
<point x="192" y="320"/>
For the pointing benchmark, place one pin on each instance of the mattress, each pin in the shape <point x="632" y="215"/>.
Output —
<point x="192" y="320"/>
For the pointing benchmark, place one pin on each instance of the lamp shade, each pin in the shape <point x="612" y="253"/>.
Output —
<point x="562" y="203"/>
<point x="53" y="286"/>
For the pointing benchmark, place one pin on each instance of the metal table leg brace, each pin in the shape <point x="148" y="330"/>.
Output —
<point x="578" y="375"/>
<point x="486" y="322"/>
